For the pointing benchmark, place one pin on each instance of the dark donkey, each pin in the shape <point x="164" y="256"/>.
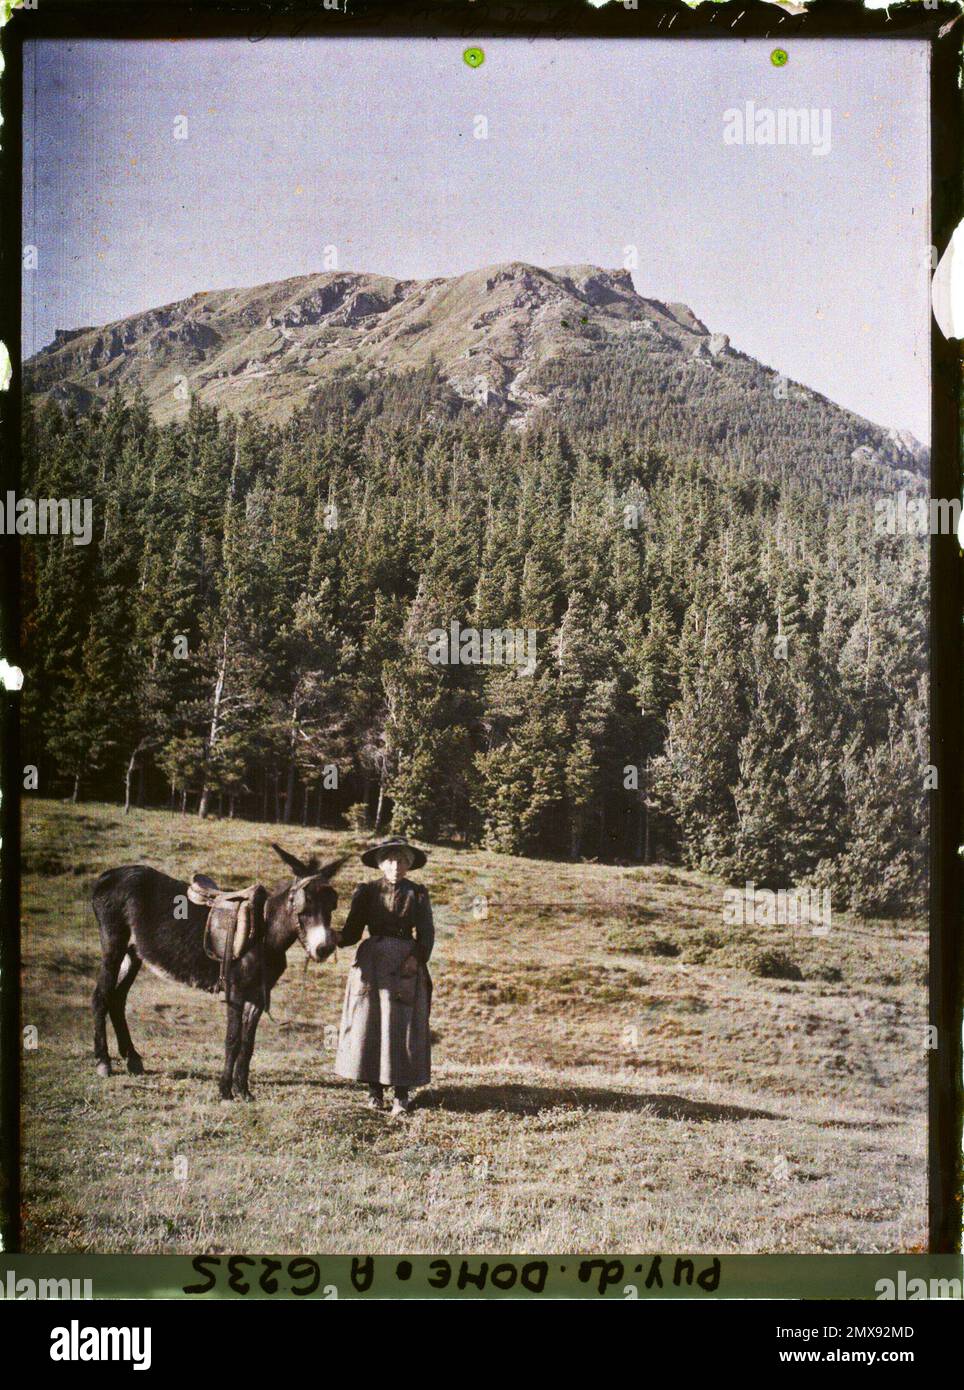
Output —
<point x="135" y="908"/>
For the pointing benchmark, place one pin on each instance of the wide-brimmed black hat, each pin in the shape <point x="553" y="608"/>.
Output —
<point x="372" y="856"/>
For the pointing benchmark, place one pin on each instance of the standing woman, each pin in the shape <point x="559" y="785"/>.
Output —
<point x="384" y="1035"/>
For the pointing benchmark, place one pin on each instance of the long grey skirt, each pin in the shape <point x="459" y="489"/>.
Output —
<point x="384" y="1034"/>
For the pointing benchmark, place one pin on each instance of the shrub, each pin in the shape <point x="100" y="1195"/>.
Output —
<point x="775" y="965"/>
<point x="662" y="947"/>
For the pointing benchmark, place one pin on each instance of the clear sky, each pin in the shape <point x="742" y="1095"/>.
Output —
<point x="817" y="265"/>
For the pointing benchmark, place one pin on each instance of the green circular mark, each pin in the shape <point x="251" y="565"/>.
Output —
<point x="474" y="57"/>
<point x="779" y="57"/>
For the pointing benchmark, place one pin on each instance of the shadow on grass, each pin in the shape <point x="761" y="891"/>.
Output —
<point x="513" y="1099"/>
<point x="265" y="1079"/>
<point x="530" y="1100"/>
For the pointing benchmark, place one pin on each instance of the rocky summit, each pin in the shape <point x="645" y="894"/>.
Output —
<point x="514" y="340"/>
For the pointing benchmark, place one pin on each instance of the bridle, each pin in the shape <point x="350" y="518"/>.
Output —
<point x="299" y="887"/>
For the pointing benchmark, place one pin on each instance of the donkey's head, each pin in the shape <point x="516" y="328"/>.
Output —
<point x="310" y="903"/>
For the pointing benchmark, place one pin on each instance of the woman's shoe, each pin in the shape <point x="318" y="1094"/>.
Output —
<point x="376" y="1098"/>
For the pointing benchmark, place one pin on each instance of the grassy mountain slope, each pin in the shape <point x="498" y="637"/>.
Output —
<point x="574" y="344"/>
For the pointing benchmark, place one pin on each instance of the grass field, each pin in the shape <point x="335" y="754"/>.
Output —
<point x="611" y="1071"/>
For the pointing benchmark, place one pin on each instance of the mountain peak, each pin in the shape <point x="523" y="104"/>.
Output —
<point x="514" y="339"/>
<point x="269" y="347"/>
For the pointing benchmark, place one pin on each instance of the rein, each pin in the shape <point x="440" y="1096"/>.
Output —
<point x="301" y="936"/>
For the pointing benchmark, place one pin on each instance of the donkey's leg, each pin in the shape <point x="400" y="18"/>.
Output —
<point x="113" y="947"/>
<point x="117" y="1005"/>
<point x="249" y="1027"/>
<point x="232" y="1045"/>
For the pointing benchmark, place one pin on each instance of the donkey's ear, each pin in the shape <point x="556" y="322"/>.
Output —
<point x="299" y="869"/>
<point x="329" y="871"/>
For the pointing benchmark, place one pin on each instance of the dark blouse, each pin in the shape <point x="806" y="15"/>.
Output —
<point x="391" y="909"/>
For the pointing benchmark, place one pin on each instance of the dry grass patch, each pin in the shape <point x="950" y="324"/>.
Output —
<point x="611" y="1071"/>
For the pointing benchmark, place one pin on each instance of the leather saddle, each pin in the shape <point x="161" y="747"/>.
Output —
<point x="235" y="921"/>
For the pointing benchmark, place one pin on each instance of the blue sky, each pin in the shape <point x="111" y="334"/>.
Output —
<point x="816" y="265"/>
